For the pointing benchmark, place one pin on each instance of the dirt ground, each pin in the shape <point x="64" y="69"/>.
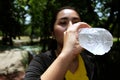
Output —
<point x="12" y="62"/>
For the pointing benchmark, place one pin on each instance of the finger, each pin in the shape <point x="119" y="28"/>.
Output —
<point x="70" y="24"/>
<point x="81" y="25"/>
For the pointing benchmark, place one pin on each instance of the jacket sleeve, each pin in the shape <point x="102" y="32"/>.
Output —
<point x="37" y="66"/>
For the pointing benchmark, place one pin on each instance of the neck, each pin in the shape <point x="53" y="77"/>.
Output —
<point x="74" y="65"/>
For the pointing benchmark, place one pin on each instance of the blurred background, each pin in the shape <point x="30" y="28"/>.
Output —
<point x="24" y="26"/>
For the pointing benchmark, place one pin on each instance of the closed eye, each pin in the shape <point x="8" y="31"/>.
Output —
<point x="75" y="20"/>
<point x="63" y="22"/>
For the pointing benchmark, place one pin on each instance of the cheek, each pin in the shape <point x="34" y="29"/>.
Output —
<point x="58" y="33"/>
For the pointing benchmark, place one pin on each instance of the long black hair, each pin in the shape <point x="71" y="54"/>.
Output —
<point x="55" y="13"/>
<point x="53" y="42"/>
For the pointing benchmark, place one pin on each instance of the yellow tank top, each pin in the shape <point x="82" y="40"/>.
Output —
<point x="80" y="73"/>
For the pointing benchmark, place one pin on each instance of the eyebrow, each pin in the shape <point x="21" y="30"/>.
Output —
<point x="66" y="18"/>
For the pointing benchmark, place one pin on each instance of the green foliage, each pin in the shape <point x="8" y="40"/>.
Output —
<point x="12" y="18"/>
<point x="41" y="12"/>
<point x="98" y="13"/>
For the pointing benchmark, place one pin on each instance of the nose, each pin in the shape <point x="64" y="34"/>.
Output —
<point x="69" y="24"/>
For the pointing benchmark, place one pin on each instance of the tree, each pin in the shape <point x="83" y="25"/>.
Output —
<point x="12" y="18"/>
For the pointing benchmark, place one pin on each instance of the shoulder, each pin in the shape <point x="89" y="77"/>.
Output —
<point x="89" y="63"/>
<point x="39" y="64"/>
<point x="44" y="58"/>
<point x="46" y="55"/>
<point x="87" y="56"/>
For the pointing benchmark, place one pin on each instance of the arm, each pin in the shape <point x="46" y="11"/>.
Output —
<point x="57" y="69"/>
<point x="71" y="49"/>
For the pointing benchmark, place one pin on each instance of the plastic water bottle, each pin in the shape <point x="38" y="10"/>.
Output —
<point x="96" y="40"/>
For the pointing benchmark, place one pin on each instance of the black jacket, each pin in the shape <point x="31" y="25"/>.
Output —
<point x="42" y="61"/>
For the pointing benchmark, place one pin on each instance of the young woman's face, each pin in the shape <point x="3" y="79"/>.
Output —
<point x="64" y="18"/>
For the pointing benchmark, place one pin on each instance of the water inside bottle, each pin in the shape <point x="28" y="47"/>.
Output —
<point x="96" y="40"/>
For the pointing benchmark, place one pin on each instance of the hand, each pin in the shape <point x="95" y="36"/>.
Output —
<point x="71" y="45"/>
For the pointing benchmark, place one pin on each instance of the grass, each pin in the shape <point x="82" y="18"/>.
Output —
<point x="116" y="39"/>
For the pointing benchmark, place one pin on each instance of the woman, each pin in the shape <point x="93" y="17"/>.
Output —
<point x="68" y="61"/>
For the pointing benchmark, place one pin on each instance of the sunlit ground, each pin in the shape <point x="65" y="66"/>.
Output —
<point x="115" y="39"/>
<point x="27" y="39"/>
